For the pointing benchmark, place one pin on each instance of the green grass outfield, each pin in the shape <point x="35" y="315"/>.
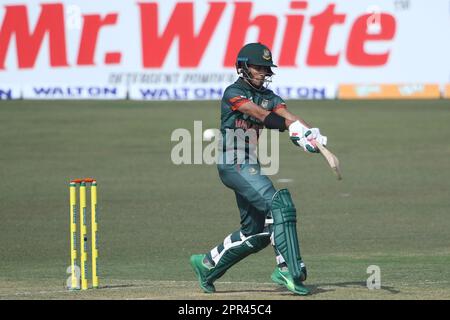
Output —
<point x="391" y="210"/>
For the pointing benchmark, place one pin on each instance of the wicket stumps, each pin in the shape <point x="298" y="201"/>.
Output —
<point x="75" y="278"/>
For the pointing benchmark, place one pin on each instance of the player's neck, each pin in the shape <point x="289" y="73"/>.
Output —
<point x="250" y="85"/>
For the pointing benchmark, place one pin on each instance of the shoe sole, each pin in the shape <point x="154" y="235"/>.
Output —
<point x="298" y="292"/>
<point x="285" y="283"/>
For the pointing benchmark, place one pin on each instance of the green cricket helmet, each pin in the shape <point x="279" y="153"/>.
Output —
<point x="254" y="54"/>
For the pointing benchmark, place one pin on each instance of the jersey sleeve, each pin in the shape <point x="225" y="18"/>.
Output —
<point x="278" y="104"/>
<point x="234" y="98"/>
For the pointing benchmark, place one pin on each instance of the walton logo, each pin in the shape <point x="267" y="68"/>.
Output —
<point x="178" y="30"/>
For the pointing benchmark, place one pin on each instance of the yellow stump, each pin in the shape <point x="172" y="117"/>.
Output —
<point x="73" y="234"/>
<point x="83" y="236"/>
<point x="94" y="228"/>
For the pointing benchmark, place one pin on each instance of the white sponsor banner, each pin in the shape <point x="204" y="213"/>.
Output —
<point x="165" y="92"/>
<point x="306" y="91"/>
<point x="72" y="91"/>
<point x="211" y="92"/>
<point x="10" y="92"/>
<point x="194" y="44"/>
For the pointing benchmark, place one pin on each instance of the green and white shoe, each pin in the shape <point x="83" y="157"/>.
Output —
<point x="201" y="271"/>
<point x="282" y="277"/>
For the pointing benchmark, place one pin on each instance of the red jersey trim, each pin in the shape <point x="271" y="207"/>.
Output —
<point x="279" y="106"/>
<point x="238" y="101"/>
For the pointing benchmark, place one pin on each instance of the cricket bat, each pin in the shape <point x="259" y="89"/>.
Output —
<point x="332" y="160"/>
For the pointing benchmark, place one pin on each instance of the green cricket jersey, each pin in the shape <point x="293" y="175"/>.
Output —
<point x="245" y="127"/>
<point x="239" y="93"/>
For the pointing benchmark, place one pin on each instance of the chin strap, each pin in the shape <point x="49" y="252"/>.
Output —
<point x="264" y="86"/>
<point x="243" y="73"/>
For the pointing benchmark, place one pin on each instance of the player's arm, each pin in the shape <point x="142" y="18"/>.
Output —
<point x="285" y="113"/>
<point x="271" y="119"/>
<point x="300" y="132"/>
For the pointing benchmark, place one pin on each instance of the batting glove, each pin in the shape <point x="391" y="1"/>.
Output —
<point x="305" y="137"/>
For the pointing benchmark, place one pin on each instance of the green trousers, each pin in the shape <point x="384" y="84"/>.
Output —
<point x="257" y="200"/>
<point x="253" y="192"/>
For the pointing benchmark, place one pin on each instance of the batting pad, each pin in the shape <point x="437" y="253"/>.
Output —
<point x="285" y="231"/>
<point x="235" y="247"/>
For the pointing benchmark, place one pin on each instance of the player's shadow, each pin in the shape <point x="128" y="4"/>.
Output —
<point x="320" y="288"/>
<point x="246" y="291"/>
<point x="113" y="286"/>
<point x="117" y="286"/>
<point x="276" y="289"/>
<point x="314" y="289"/>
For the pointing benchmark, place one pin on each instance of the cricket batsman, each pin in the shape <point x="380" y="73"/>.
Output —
<point x="267" y="215"/>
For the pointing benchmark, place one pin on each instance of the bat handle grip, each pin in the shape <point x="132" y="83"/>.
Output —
<point x="319" y="145"/>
